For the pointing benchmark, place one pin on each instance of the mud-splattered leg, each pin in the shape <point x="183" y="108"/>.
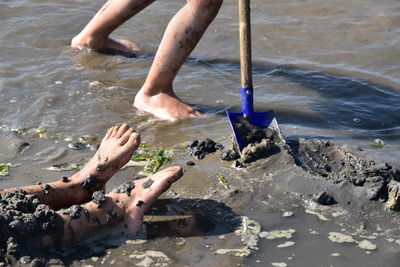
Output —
<point x="180" y="38"/>
<point x="113" y="14"/>
<point x="125" y="209"/>
<point x="114" y="152"/>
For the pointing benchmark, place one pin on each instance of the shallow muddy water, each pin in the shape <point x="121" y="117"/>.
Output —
<point x="329" y="69"/>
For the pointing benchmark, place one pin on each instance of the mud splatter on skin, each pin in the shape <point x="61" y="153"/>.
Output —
<point x="47" y="188"/>
<point x="91" y="183"/>
<point x="23" y="222"/>
<point x="65" y="179"/>
<point x="113" y="217"/>
<point x="139" y="203"/>
<point x="75" y="211"/>
<point x="124" y="188"/>
<point x="147" y="183"/>
<point x="99" y="198"/>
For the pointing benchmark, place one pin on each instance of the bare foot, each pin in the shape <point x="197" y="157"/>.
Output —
<point x="143" y="195"/>
<point x="107" y="46"/>
<point x="123" y="208"/>
<point x="114" y="152"/>
<point x="164" y="106"/>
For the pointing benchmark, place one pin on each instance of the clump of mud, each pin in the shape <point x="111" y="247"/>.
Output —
<point x="252" y="134"/>
<point x="333" y="163"/>
<point x="24" y="221"/>
<point x="147" y="183"/>
<point x="125" y="188"/>
<point x="260" y="142"/>
<point x="91" y="183"/>
<point x="200" y="149"/>
<point x="99" y="198"/>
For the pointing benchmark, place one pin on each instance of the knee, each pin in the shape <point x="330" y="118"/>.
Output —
<point x="207" y="6"/>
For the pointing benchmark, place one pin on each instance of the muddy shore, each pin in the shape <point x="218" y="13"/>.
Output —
<point x="328" y="186"/>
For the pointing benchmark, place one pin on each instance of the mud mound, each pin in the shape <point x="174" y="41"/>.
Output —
<point x="23" y="222"/>
<point x="333" y="163"/>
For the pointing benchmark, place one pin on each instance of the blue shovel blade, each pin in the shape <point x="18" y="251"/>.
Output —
<point x="260" y="119"/>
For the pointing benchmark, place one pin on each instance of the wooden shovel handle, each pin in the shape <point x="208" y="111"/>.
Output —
<point x="245" y="44"/>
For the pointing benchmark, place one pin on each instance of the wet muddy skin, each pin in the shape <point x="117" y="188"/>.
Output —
<point x="113" y="217"/>
<point x="75" y="211"/>
<point x="91" y="183"/>
<point x="99" y="198"/>
<point x="124" y="188"/>
<point x="147" y="183"/>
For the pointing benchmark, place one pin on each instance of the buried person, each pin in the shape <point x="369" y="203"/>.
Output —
<point x="180" y="38"/>
<point x="29" y="222"/>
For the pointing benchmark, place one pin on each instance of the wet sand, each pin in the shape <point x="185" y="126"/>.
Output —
<point x="261" y="213"/>
<point x="330" y="71"/>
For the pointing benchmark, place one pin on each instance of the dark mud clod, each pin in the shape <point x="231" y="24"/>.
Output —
<point x="99" y="198"/>
<point x="23" y="222"/>
<point x="147" y="183"/>
<point x="91" y="183"/>
<point x="201" y="148"/>
<point x="324" y="198"/>
<point x="65" y="179"/>
<point x="255" y="151"/>
<point x="229" y="155"/>
<point x="190" y="163"/>
<point x="75" y="211"/>
<point x="124" y="188"/>
<point x="139" y="203"/>
<point x="251" y="134"/>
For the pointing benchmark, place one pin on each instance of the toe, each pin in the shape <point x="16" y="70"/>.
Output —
<point x="125" y="136"/>
<point x="164" y="178"/>
<point x="122" y="130"/>
<point x="115" y="131"/>
<point x="134" y="140"/>
<point x="108" y="134"/>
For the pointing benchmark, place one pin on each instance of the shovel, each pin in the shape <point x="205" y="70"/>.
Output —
<point x="258" y="119"/>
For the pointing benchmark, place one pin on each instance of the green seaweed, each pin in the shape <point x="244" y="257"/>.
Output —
<point x="154" y="157"/>
<point x="41" y="130"/>
<point x="378" y="143"/>
<point x="222" y="180"/>
<point x="4" y="170"/>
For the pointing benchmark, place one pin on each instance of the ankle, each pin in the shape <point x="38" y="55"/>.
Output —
<point x="150" y="89"/>
<point x="90" y="41"/>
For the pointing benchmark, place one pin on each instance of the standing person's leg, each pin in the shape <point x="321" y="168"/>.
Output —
<point x="112" y="15"/>
<point x="125" y="209"/>
<point x="115" y="151"/>
<point x="180" y="38"/>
